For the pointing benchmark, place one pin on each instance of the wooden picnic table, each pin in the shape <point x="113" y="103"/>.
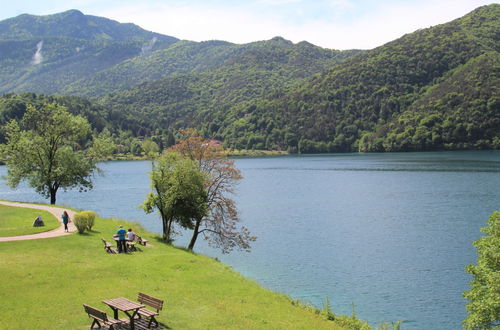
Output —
<point x="125" y="305"/>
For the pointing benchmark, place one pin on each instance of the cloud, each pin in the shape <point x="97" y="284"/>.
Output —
<point x="277" y="2"/>
<point x="337" y="24"/>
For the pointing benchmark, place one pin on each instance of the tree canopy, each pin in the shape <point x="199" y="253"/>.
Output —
<point x="484" y="294"/>
<point x="52" y="149"/>
<point x="178" y="193"/>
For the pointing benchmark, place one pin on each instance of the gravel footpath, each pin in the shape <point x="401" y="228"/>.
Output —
<point x="56" y="211"/>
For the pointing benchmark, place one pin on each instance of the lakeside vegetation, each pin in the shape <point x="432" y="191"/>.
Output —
<point x="199" y="292"/>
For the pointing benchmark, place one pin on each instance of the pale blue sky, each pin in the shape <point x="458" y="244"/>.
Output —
<point x="338" y="24"/>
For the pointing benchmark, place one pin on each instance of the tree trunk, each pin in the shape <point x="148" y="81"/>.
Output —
<point x="195" y="235"/>
<point x="169" y="230"/>
<point x="52" y="196"/>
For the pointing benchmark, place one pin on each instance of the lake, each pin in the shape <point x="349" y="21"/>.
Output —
<point x="389" y="234"/>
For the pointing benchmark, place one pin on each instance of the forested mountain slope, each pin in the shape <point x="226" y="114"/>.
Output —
<point x="253" y="71"/>
<point x="363" y="103"/>
<point x="434" y="89"/>
<point x="45" y="53"/>
<point x="193" y="57"/>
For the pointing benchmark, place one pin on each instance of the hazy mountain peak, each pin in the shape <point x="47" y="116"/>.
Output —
<point x="73" y="24"/>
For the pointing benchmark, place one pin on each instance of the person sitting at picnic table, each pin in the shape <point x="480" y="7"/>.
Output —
<point x="122" y="245"/>
<point x="130" y="235"/>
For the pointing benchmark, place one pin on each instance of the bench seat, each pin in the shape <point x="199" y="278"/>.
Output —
<point x="108" y="247"/>
<point x="140" y="240"/>
<point x="101" y="317"/>
<point x="150" y="301"/>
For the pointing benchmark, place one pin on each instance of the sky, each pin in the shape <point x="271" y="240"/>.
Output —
<point x="335" y="24"/>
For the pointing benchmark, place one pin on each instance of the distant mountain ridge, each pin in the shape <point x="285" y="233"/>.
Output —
<point x="45" y="53"/>
<point x="74" y="24"/>
<point x="434" y="89"/>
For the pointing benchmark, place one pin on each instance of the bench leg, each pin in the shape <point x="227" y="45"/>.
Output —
<point x="95" y="322"/>
<point x="152" y="318"/>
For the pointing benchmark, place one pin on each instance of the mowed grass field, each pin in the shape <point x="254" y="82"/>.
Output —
<point x="19" y="221"/>
<point x="45" y="282"/>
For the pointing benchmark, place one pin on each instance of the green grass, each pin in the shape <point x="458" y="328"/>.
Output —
<point x="45" y="282"/>
<point x="16" y="221"/>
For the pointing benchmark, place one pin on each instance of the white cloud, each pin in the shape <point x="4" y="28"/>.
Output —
<point x="340" y="26"/>
<point x="277" y="2"/>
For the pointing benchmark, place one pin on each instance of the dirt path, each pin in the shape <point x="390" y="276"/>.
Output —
<point x="56" y="211"/>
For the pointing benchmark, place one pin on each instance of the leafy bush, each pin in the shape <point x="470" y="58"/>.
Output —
<point x="84" y="220"/>
<point x="90" y="219"/>
<point x="80" y="222"/>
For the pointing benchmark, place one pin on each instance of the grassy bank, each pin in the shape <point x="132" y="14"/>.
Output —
<point x="17" y="222"/>
<point x="45" y="282"/>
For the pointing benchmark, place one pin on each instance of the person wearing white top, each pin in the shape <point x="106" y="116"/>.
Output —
<point x="130" y="235"/>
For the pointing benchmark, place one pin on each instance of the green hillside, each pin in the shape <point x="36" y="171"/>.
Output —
<point x="186" y="57"/>
<point x="43" y="54"/>
<point x="434" y="89"/>
<point x="258" y="102"/>
<point x="255" y="71"/>
<point x="199" y="292"/>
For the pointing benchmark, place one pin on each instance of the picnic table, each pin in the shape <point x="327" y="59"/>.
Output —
<point x="130" y="245"/>
<point x="125" y="305"/>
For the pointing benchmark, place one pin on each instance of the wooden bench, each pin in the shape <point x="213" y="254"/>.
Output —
<point x="131" y="246"/>
<point x="140" y="240"/>
<point x="150" y="301"/>
<point x="108" y="247"/>
<point x="101" y="317"/>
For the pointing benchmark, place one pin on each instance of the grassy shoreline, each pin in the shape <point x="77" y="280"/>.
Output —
<point x="227" y="152"/>
<point x="48" y="285"/>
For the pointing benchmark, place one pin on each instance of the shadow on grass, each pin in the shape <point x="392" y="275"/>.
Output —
<point x="160" y="240"/>
<point x="143" y="324"/>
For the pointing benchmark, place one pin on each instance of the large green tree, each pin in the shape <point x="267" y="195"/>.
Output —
<point x="50" y="148"/>
<point x="178" y="194"/>
<point x="484" y="295"/>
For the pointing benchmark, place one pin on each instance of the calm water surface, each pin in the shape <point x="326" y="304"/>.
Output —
<point x="389" y="233"/>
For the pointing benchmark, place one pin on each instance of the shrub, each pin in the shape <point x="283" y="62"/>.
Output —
<point x="80" y="222"/>
<point x="90" y="219"/>
<point x="84" y="220"/>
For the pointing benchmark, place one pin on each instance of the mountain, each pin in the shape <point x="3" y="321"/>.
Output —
<point x="433" y="89"/>
<point x="73" y="53"/>
<point x="246" y="73"/>
<point x="186" y="57"/>
<point x="44" y="54"/>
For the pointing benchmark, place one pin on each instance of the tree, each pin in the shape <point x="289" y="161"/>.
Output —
<point x="178" y="194"/>
<point x="220" y="224"/>
<point x="484" y="295"/>
<point x="150" y="147"/>
<point x="51" y="149"/>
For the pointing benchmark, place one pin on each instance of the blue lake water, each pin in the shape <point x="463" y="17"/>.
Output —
<point x="389" y="233"/>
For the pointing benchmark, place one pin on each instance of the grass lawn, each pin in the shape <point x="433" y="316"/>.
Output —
<point x="16" y="221"/>
<point x="45" y="282"/>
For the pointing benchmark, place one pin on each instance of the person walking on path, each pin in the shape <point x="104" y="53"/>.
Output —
<point x="122" y="245"/>
<point x="65" y="219"/>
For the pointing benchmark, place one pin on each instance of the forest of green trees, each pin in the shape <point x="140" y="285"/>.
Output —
<point x="434" y="89"/>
